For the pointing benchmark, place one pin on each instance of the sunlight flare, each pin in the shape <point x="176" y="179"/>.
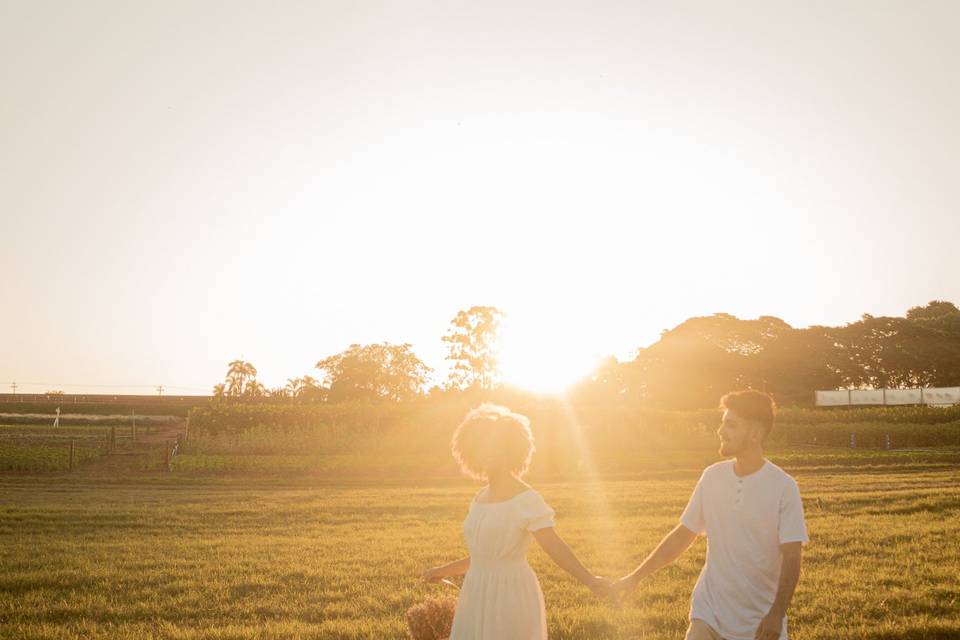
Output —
<point x="542" y="357"/>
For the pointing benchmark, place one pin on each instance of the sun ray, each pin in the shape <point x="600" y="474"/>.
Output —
<point x="543" y="358"/>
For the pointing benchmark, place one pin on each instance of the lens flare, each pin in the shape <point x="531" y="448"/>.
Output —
<point x="543" y="358"/>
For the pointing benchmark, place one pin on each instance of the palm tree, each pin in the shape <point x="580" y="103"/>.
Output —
<point x="254" y="389"/>
<point x="312" y="389"/>
<point x="238" y="372"/>
<point x="295" y="386"/>
<point x="219" y="391"/>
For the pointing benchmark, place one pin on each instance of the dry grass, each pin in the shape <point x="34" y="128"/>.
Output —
<point x="244" y="560"/>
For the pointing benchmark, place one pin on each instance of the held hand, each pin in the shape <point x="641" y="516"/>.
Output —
<point x="432" y="575"/>
<point x="624" y="587"/>
<point x="602" y="587"/>
<point x="770" y="627"/>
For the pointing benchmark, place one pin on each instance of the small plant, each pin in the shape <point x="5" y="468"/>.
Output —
<point x="431" y="619"/>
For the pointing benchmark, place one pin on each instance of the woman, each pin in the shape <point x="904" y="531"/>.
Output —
<point x="501" y="597"/>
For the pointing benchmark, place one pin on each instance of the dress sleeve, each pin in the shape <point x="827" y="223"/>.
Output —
<point x="537" y="514"/>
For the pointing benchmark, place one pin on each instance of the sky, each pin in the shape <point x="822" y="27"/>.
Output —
<point x="185" y="183"/>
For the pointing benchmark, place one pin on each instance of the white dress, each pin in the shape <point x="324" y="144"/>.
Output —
<point x="501" y="597"/>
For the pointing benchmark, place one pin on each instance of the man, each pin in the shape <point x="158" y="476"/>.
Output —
<point x="752" y="515"/>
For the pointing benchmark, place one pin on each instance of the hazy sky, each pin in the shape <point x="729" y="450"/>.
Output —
<point x="185" y="183"/>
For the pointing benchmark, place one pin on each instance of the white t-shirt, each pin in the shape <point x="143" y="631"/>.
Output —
<point x="746" y="519"/>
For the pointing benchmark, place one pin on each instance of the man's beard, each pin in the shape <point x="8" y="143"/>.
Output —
<point x="728" y="448"/>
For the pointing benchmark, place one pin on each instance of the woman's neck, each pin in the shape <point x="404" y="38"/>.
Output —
<point x="503" y="485"/>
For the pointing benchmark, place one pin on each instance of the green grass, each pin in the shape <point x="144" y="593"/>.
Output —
<point x="32" y="456"/>
<point x="614" y="448"/>
<point x="43" y="448"/>
<point x="358" y="464"/>
<point x="329" y="560"/>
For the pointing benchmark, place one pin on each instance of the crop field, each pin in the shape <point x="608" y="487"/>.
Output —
<point x="334" y="559"/>
<point x="43" y="448"/>
<point x="414" y="440"/>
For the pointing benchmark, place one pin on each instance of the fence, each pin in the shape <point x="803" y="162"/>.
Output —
<point x="936" y="396"/>
<point x="110" y="448"/>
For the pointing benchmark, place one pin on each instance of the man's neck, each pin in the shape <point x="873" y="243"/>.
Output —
<point x="748" y="462"/>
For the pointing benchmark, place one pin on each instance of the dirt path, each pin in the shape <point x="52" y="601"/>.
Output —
<point x="147" y="452"/>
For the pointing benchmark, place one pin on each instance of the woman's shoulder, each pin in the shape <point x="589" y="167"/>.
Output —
<point x="524" y="494"/>
<point x="531" y="496"/>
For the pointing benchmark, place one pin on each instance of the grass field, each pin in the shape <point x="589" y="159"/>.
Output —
<point x="43" y="448"/>
<point x="247" y="558"/>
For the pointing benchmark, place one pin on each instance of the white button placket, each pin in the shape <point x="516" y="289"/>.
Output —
<point x="739" y="499"/>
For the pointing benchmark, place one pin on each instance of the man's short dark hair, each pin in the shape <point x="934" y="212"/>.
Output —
<point x="752" y="405"/>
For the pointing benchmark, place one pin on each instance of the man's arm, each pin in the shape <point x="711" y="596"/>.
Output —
<point x="772" y="623"/>
<point x="670" y="548"/>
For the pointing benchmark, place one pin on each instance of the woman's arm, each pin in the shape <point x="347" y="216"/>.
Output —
<point x="561" y="553"/>
<point x="455" y="568"/>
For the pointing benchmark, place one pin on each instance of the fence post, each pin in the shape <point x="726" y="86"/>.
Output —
<point x="887" y="441"/>
<point x="166" y="456"/>
<point x="113" y="438"/>
<point x="72" y="443"/>
<point x="853" y="441"/>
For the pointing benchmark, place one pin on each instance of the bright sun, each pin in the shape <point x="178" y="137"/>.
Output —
<point x="541" y="360"/>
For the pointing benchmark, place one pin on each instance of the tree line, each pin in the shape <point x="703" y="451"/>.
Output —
<point x="690" y="366"/>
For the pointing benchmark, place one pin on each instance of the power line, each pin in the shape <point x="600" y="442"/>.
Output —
<point x="16" y="385"/>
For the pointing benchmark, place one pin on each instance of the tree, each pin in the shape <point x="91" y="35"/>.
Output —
<point x="311" y="390"/>
<point x="306" y="388"/>
<point x="381" y="371"/>
<point x="254" y="389"/>
<point x="891" y="352"/>
<point x="219" y="391"/>
<point x="238" y="373"/>
<point x="294" y="386"/>
<point x="607" y="384"/>
<point x="799" y="362"/>
<point x="695" y="363"/>
<point x="472" y="343"/>
<point x="941" y="349"/>
<point x="936" y="312"/>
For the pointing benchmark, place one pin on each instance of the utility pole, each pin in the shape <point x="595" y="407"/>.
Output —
<point x="160" y="390"/>
<point x="13" y="385"/>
